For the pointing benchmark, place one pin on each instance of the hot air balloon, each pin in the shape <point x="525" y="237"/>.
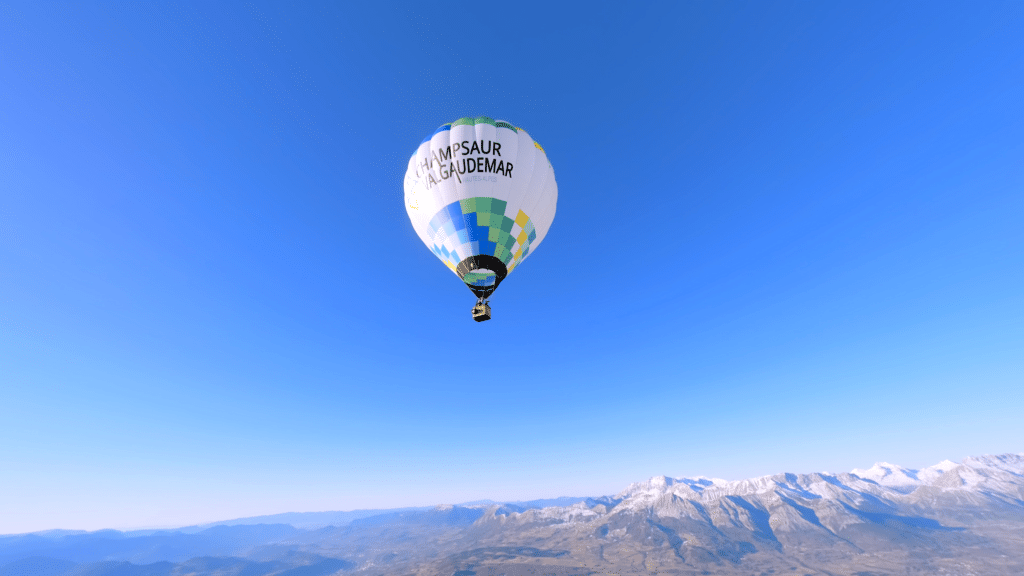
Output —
<point x="481" y="195"/>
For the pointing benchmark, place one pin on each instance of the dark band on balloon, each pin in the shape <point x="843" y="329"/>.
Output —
<point x="484" y="262"/>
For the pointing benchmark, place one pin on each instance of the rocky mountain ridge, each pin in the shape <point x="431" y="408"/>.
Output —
<point x="886" y="516"/>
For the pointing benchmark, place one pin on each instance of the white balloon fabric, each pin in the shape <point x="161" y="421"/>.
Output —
<point x="481" y="195"/>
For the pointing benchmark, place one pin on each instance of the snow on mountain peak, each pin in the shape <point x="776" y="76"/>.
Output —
<point x="930" y="474"/>
<point x="788" y="503"/>
<point x="658" y="485"/>
<point x="661" y="481"/>
<point x="1011" y="463"/>
<point x="889" y="474"/>
<point x="1003" y="474"/>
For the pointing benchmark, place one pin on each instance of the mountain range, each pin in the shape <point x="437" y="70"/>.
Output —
<point x="950" y="518"/>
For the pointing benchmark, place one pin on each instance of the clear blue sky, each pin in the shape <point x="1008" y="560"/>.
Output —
<point x="790" y="237"/>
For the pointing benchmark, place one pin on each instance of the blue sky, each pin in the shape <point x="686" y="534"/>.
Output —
<point x="789" y="238"/>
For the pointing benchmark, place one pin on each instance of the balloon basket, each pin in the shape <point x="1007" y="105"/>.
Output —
<point x="481" y="312"/>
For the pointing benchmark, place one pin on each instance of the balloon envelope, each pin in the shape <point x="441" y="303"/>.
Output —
<point x="481" y="195"/>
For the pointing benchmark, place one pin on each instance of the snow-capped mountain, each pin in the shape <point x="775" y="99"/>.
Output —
<point x="885" y="516"/>
<point x="882" y="489"/>
<point x="950" y="518"/>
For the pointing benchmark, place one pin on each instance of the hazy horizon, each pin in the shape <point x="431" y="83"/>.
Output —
<point x="442" y="504"/>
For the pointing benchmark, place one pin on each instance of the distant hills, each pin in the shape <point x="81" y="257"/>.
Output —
<point x="312" y="520"/>
<point x="951" y="518"/>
